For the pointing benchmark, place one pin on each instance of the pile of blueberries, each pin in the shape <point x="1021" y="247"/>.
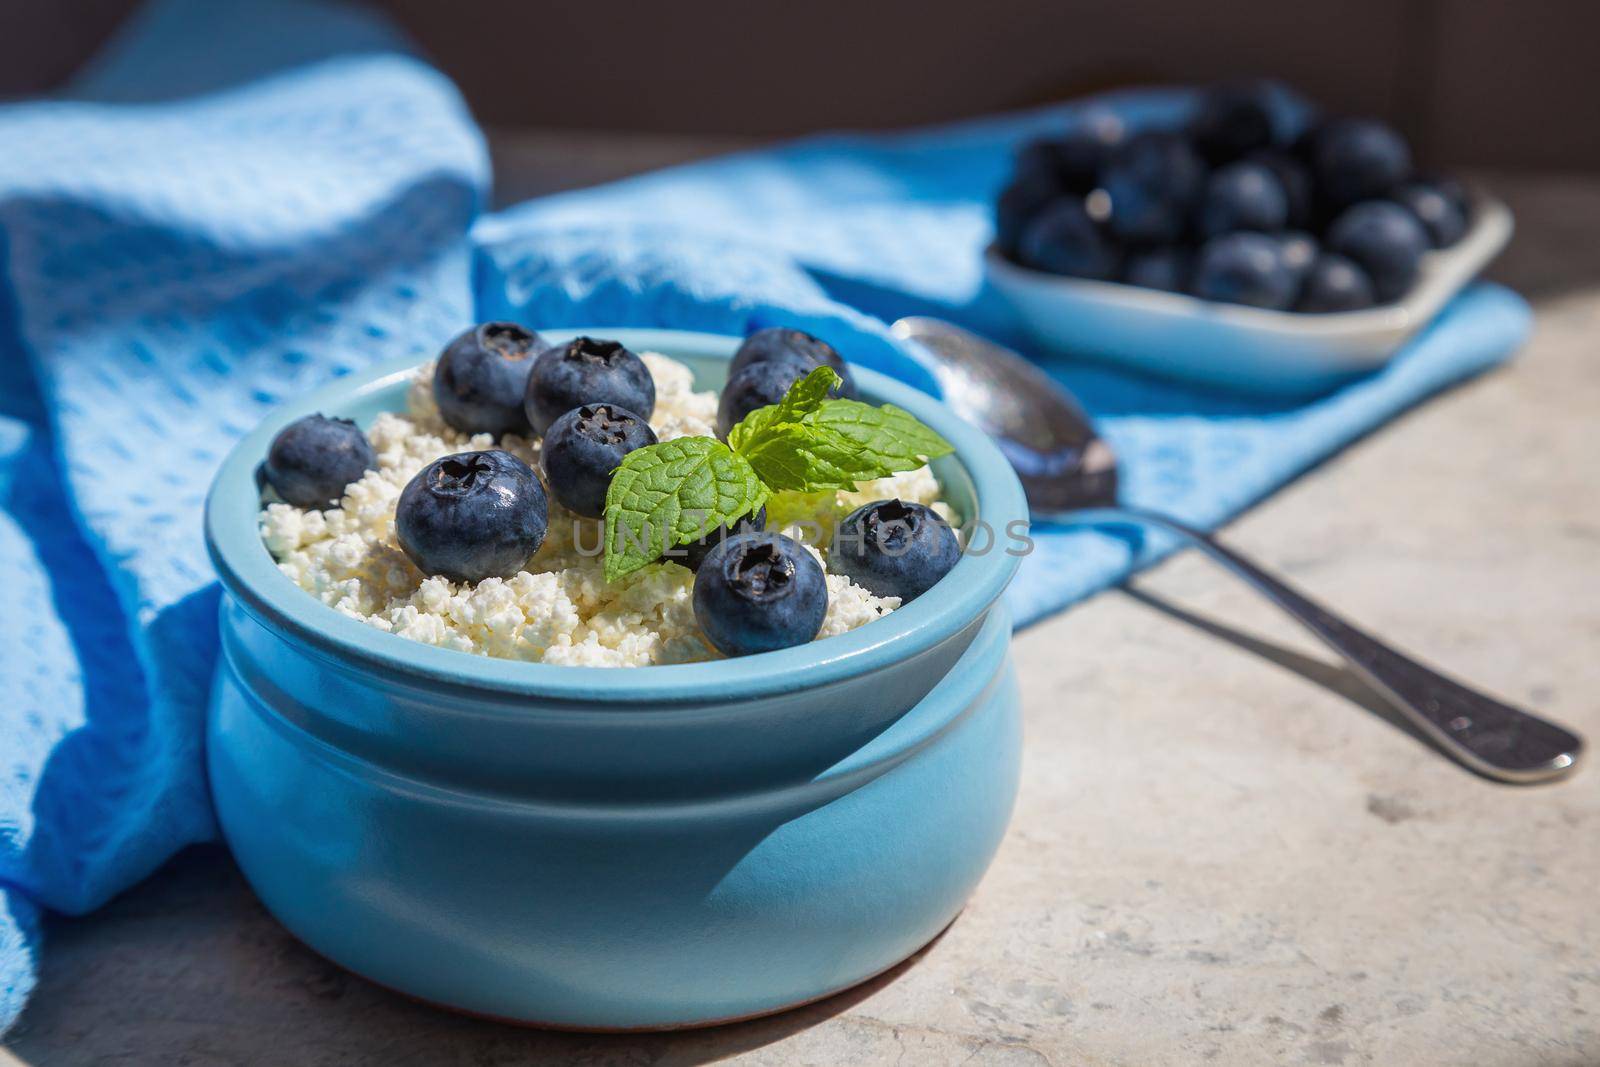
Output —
<point x="482" y="514"/>
<point x="1242" y="204"/>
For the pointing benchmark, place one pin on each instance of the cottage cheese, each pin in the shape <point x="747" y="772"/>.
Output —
<point x="560" y="609"/>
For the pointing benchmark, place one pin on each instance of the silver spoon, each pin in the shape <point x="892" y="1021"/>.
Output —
<point x="1070" y="476"/>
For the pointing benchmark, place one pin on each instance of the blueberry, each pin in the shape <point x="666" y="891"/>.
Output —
<point x="1334" y="284"/>
<point x="1245" y="268"/>
<point x="759" y="592"/>
<point x="1299" y="251"/>
<point x="312" y="459"/>
<point x="1436" y="210"/>
<point x="586" y="371"/>
<point x="1385" y="240"/>
<point x="1451" y="189"/>
<point x="1231" y="121"/>
<point x="1017" y="205"/>
<point x="1296" y="182"/>
<point x="1160" y="268"/>
<point x="583" y="448"/>
<point x="472" y="516"/>
<point x="1071" y="161"/>
<point x="1063" y="239"/>
<point x="1357" y="159"/>
<point x="756" y="386"/>
<point x="894" y="548"/>
<point x="1242" y="196"/>
<point x="777" y="342"/>
<point x="693" y="554"/>
<point x="1152" y="183"/>
<point x="482" y="376"/>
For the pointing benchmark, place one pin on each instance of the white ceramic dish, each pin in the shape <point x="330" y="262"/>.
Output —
<point x="1242" y="348"/>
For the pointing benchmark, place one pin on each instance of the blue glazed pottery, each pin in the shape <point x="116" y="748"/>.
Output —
<point x="623" y="848"/>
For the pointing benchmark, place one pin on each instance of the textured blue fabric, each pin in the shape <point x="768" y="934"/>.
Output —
<point x="278" y="194"/>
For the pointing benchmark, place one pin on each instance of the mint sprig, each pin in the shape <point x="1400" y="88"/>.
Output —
<point x="809" y="442"/>
<point x="675" y="492"/>
<point x="672" y="493"/>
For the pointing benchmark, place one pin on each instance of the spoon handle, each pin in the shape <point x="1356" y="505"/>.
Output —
<point x="1492" y="738"/>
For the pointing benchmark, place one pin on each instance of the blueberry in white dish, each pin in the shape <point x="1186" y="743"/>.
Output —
<point x="1358" y="159"/>
<point x="1231" y="121"/>
<point x="1070" y="162"/>
<point x="781" y="342"/>
<point x="693" y="554"/>
<point x="1063" y="239"/>
<point x="1295" y="179"/>
<point x="1438" y="212"/>
<point x="586" y="370"/>
<point x="1386" y="241"/>
<point x="583" y="448"/>
<point x="1152" y="183"/>
<point x="1245" y="268"/>
<point x="1452" y="189"/>
<point x="1250" y="158"/>
<point x="312" y="459"/>
<point x="1334" y="283"/>
<point x="1298" y="251"/>
<point x="471" y="516"/>
<point x="482" y="377"/>
<point x="1023" y="198"/>
<point x="756" y="386"/>
<point x="1166" y="269"/>
<point x="758" y="593"/>
<point x="1242" y="196"/>
<point x="894" y="548"/>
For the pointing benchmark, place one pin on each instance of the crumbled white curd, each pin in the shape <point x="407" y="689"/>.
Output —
<point x="560" y="609"/>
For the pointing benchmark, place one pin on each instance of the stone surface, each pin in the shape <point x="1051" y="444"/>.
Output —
<point x="1221" y="852"/>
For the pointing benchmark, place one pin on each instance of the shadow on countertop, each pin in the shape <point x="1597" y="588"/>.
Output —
<point x="202" y="975"/>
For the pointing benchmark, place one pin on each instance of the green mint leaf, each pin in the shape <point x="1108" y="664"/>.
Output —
<point x="792" y="456"/>
<point x="671" y="493"/>
<point x="894" y="437"/>
<point x="804" y="396"/>
<point x="808" y="442"/>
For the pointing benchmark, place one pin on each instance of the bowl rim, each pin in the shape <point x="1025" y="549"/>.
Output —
<point x="250" y="576"/>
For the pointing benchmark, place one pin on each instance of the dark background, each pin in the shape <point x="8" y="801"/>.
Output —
<point x="1473" y="82"/>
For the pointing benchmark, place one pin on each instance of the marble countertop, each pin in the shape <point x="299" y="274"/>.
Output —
<point x="1222" y="853"/>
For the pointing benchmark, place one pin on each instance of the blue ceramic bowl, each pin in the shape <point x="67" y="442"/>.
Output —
<point x="614" y="848"/>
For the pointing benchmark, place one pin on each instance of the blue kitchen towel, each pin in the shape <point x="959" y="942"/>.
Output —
<point x="241" y="200"/>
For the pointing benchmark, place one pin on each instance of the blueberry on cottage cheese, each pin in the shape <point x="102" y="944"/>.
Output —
<point x="312" y="459"/>
<point x="584" y="447"/>
<point x="894" y="548"/>
<point x="779" y="342"/>
<point x="693" y="554"/>
<point x="756" y="386"/>
<point x="586" y="370"/>
<point x="1242" y="196"/>
<point x="471" y="516"/>
<point x="1357" y="159"/>
<point x="1245" y="268"/>
<point x="759" y="592"/>
<point x="1386" y="241"/>
<point x="482" y="376"/>
<point x="1334" y="284"/>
